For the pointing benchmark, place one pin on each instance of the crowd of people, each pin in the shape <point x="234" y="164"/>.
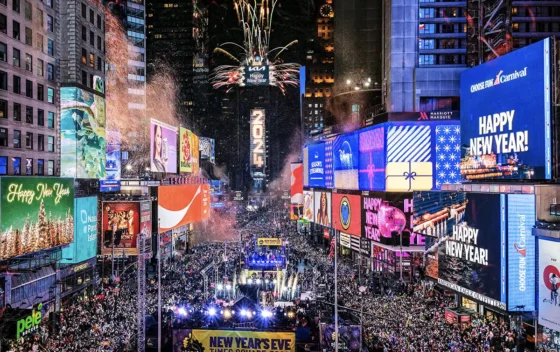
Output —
<point x="399" y="317"/>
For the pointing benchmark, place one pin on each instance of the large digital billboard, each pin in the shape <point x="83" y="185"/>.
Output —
<point x="305" y="166"/>
<point x="346" y="215"/>
<point x="296" y="191"/>
<point x="207" y="149"/>
<point x="256" y="75"/>
<point x="258" y="143"/>
<point x="193" y="205"/>
<point x="189" y="152"/>
<point x="316" y="164"/>
<point x="82" y="134"/>
<point x="346" y="160"/>
<point x="163" y="147"/>
<point x="383" y="214"/>
<point x="112" y="181"/>
<point x="322" y="207"/>
<point x="36" y="213"/>
<point x="372" y="159"/>
<point x="505" y="116"/>
<point x="123" y="216"/>
<point x="231" y="340"/>
<point x="549" y="283"/>
<point x="308" y="206"/>
<point x="329" y="167"/>
<point x="521" y="251"/>
<point x="84" y="246"/>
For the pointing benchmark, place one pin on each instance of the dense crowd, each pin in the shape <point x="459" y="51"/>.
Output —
<point x="398" y="317"/>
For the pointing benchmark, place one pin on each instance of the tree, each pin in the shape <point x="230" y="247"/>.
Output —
<point x="51" y="229"/>
<point x="42" y="228"/>
<point x="27" y="236"/>
<point x="18" y="245"/>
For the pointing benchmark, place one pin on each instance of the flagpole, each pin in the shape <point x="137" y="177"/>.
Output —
<point x="336" y="291"/>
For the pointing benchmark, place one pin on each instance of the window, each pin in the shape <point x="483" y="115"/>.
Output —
<point x="28" y="63"/>
<point x="40" y="67"/>
<point x="90" y="80"/>
<point x="40" y="92"/>
<point x="29" y="140"/>
<point x="28" y="9"/>
<point x="16" y="57"/>
<point x="29" y="114"/>
<point x="41" y="142"/>
<point x="99" y="64"/>
<point x="28" y="36"/>
<point x="40" y="167"/>
<point x="17" y="139"/>
<point x="17" y="112"/>
<point x="3" y="24"/>
<point x="50" y="143"/>
<point x="50" y="23"/>
<point x="15" y="5"/>
<point x="439" y="103"/>
<point x="17" y="166"/>
<point x="29" y="167"/>
<point x="98" y="43"/>
<point x="50" y="121"/>
<point x="3" y="109"/>
<point x="91" y="38"/>
<point x="3" y="137"/>
<point x="50" y="3"/>
<point x="91" y="16"/>
<point x="427" y="28"/>
<point x="41" y="117"/>
<point x="99" y="21"/>
<point x="3" y="2"/>
<point x="3" y="52"/>
<point x="50" y="47"/>
<point x="426" y="44"/>
<point x="91" y="60"/>
<point x="426" y="59"/>
<point x="15" y="30"/>
<point x="84" y="10"/>
<point x="84" y="33"/>
<point x="40" y="17"/>
<point x="50" y="168"/>
<point x="40" y="42"/>
<point x="3" y="80"/>
<point x="84" y="78"/>
<point x="50" y="72"/>
<point x="28" y="88"/>
<point x="3" y="165"/>
<point x="427" y="13"/>
<point x="50" y="95"/>
<point x="84" y="56"/>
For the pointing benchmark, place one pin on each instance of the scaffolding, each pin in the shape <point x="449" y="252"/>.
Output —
<point x="144" y="253"/>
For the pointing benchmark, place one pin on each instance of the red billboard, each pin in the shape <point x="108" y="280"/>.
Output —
<point x="346" y="213"/>
<point x="124" y="216"/>
<point x="179" y="205"/>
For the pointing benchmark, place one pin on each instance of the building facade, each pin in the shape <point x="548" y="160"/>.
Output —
<point x="29" y="93"/>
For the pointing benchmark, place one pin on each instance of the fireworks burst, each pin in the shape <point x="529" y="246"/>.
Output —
<point x="255" y="17"/>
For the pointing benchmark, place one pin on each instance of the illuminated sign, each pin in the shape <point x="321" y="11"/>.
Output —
<point x="30" y="323"/>
<point x="269" y="241"/>
<point x="549" y="282"/>
<point x="231" y="340"/>
<point x="84" y="246"/>
<point x="258" y="141"/>
<point x="256" y="75"/>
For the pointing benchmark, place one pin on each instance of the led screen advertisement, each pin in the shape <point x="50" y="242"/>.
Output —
<point x="36" y="213"/>
<point x="383" y="214"/>
<point x="256" y="75"/>
<point x="322" y="207"/>
<point x="189" y="152"/>
<point x="549" y="284"/>
<point x="346" y="158"/>
<point x="329" y="172"/>
<point x="505" y="116"/>
<point x="296" y="191"/>
<point x="346" y="215"/>
<point x="372" y="159"/>
<point x="192" y="206"/>
<point x="123" y="216"/>
<point x="207" y="149"/>
<point x="112" y="181"/>
<point x="308" y="205"/>
<point x="316" y="164"/>
<point x="84" y="246"/>
<point x="163" y="147"/>
<point x="82" y="134"/>
<point x="231" y="340"/>
<point x="305" y="166"/>
<point x="258" y="143"/>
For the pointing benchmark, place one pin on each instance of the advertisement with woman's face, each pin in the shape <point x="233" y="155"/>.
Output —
<point x="322" y="208"/>
<point x="163" y="148"/>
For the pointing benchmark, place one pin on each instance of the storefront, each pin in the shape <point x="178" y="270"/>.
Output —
<point x="78" y="279"/>
<point x="387" y="259"/>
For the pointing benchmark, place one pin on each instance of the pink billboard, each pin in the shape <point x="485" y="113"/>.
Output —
<point x="163" y="147"/>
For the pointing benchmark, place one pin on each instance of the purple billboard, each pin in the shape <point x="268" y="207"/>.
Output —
<point x="163" y="147"/>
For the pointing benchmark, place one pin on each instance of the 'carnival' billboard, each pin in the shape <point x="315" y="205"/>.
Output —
<point x="189" y="152"/>
<point x="258" y="143"/>
<point x="346" y="215"/>
<point x="84" y="246"/>
<point x="506" y="114"/>
<point x="82" y="130"/>
<point x="36" y="213"/>
<point x="163" y="147"/>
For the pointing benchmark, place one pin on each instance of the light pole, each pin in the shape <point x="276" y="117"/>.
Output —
<point x="336" y="291"/>
<point x="401" y="255"/>
<point x="362" y="289"/>
<point x="159" y="286"/>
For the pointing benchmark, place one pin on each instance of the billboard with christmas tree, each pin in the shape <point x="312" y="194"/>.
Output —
<point x="36" y="213"/>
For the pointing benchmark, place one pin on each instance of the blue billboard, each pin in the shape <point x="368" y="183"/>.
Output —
<point x="346" y="160"/>
<point x="505" y="116"/>
<point x="372" y="159"/>
<point x="112" y="182"/>
<point x="84" y="246"/>
<point x="521" y="252"/>
<point x="316" y="165"/>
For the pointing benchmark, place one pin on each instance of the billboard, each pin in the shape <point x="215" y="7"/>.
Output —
<point x="346" y="159"/>
<point x="232" y="340"/>
<point x="207" y="148"/>
<point x="36" y="213"/>
<point x="316" y="164"/>
<point x="346" y="215"/>
<point x="82" y="134"/>
<point x="258" y="143"/>
<point x="84" y="246"/>
<point x="549" y="282"/>
<point x="269" y="241"/>
<point x="521" y="251"/>
<point x="323" y="207"/>
<point x="305" y="167"/>
<point x="189" y="152"/>
<point x="505" y="116"/>
<point x="385" y="213"/>
<point x="256" y="75"/>
<point x="192" y="206"/>
<point x="124" y="216"/>
<point x="296" y="190"/>
<point x="112" y="180"/>
<point x="308" y="205"/>
<point x="329" y="167"/>
<point x="163" y="147"/>
<point x="372" y="159"/>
